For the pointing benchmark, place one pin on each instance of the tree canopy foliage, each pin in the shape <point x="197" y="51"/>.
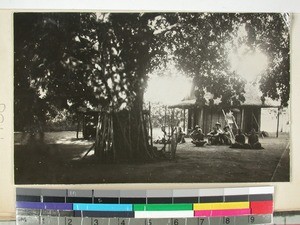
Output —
<point x="199" y="48"/>
<point x="67" y="61"/>
<point x="200" y="44"/>
<point x="71" y="60"/>
<point x="270" y="32"/>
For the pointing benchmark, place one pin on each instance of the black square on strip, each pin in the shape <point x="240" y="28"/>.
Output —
<point x="185" y="200"/>
<point x="209" y="199"/>
<point x="106" y="200"/>
<point x="159" y="200"/>
<point x="261" y="197"/>
<point x="133" y="200"/>
<point x="53" y="199"/>
<point x="79" y="200"/>
<point x="236" y="198"/>
<point x="28" y="198"/>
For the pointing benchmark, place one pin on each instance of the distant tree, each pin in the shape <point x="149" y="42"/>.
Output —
<point x="197" y="42"/>
<point x="271" y="33"/>
<point x="161" y="115"/>
<point x="200" y="43"/>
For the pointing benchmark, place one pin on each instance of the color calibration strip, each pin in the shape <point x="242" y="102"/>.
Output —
<point x="231" y="206"/>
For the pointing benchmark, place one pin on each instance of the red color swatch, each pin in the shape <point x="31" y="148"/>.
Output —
<point x="261" y="207"/>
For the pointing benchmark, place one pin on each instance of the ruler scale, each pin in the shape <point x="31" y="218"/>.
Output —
<point x="227" y="206"/>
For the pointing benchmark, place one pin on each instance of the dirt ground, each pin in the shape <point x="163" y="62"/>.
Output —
<point x="58" y="162"/>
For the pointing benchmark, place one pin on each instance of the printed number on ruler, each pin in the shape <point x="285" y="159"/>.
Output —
<point x="69" y="221"/>
<point x="227" y="220"/>
<point x="251" y="219"/>
<point x="96" y="222"/>
<point x="201" y="221"/>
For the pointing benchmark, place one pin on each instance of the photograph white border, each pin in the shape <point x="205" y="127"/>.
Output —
<point x="287" y="195"/>
<point x="157" y="5"/>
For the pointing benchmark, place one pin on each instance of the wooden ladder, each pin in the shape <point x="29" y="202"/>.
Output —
<point x="230" y="130"/>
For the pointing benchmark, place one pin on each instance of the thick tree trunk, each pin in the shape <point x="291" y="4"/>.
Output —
<point x="122" y="136"/>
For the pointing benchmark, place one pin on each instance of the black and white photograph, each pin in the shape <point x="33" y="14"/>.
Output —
<point x="160" y="97"/>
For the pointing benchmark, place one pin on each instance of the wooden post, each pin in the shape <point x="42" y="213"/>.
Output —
<point x="112" y="138"/>
<point x="204" y="122"/>
<point x="173" y="136"/>
<point x="259" y="119"/>
<point x="201" y="118"/>
<point x="255" y="120"/>
<point x="192" y="118"/>
<point x="189" y="119"/>
<point x="251" y="119"/>
<point x="277" y="130"/>
<point x="184" y="118"/>
<point x="83" y="125"/>
<point x="169" y="122"/>
<point x="78" y="126"/>
<point x="98" y="133"/>
<point x="150" y="126"/>
<point x="165" y="115"/>
<point x="129" y="133"/>
<point x="242" y="120"/>
<point x="211" y="119"/>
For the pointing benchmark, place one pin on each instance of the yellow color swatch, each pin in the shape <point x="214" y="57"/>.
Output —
<point x="222" y="205"/>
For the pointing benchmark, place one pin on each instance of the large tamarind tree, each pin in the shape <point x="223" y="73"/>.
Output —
<point x="64" y="61"/>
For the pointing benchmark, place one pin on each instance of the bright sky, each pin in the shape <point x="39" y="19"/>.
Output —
<point x="247" y="64"/>
<point x="169" y="89"/>
<point x="173" y="87"/>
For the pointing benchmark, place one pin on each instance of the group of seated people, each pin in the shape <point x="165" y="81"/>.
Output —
<point x="223" y="137"/>
<point x="196" y="135"/>
<point x="215" y="137"/>
<point x="253" y="140"/>
<point x="218" y="136"/>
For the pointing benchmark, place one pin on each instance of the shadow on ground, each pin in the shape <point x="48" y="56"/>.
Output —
<point x="57" y="161"/>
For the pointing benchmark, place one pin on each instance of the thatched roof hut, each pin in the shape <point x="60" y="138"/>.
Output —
<point x="245" y="116"/>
